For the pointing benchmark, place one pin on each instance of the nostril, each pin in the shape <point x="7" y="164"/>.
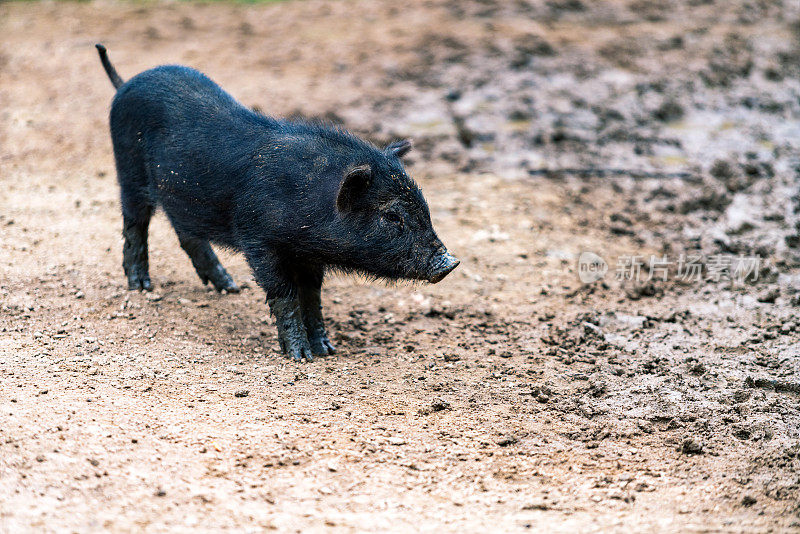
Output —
<point x="445" y="264"/>
<point x="451" y="262"/>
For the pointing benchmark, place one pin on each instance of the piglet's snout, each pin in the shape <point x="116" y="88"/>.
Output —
<point x="442" y="265"/>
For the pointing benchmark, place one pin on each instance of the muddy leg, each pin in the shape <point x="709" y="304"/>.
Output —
<point x="207" y="264"/>
<point x="137" y="209"/>
<point x="274" y="279"/>
<point x="291" y="330"/>
<point x="134" y="251"/>
<point x="311" y="306"/>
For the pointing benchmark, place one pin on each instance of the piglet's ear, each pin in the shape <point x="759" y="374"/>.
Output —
<point x="399" y="148"/>
<point x="353" y="187"/>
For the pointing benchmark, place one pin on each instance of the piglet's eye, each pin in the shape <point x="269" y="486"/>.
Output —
<point x="394" y="218"/>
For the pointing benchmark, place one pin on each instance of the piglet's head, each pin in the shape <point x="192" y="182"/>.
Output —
<point x="386" y="221"/>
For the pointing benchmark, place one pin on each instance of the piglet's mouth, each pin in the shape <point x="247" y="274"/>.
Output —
<point x="442" y="266"/>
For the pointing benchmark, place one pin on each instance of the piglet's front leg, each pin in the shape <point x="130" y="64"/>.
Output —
<point x="311" y="306"/>
<point x="291" y="330"/>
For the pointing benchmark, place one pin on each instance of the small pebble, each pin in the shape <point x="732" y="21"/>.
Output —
<point x="691" y="446"/>
<point x="748" y="500"/>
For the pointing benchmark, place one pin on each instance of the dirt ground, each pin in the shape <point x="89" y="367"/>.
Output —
<point x="510" y="396"/>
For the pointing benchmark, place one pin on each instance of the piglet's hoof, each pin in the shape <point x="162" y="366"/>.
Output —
<point x="228" y="286"/>
<point x="136" y="282"/>
<point x="220" y="279"/>
<point x="321" y="346"/>
<point x="296" y="351"/>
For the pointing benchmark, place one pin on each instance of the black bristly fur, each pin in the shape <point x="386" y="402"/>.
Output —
<point x="296" y="198"/>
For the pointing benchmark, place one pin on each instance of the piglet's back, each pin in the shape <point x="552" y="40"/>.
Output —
<point x="191" y="133"/>
<point x="173" y="95"/>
